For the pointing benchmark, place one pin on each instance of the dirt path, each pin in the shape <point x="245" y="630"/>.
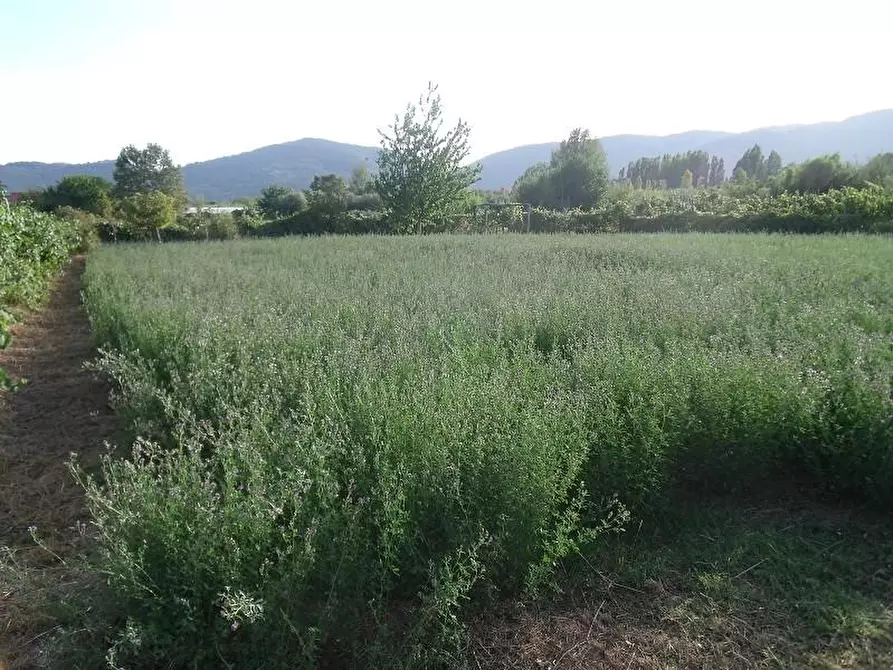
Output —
<point x="63" y="409"/>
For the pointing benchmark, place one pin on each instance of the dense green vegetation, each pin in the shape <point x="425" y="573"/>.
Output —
<point x="668" y="170"/>
<point x="33" y="246"/>
<point x="577" y="175"/>
<point x="84" y="192"/>
<point x="422" y="176"/>
<point x="424" y="183"/>
<point x="346" y="443"/>
<point x="867" y="210"/>
<point x="622" y="209"/>
<point x="756" y="173"/>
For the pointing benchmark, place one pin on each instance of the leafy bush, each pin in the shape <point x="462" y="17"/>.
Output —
<point x="145" y="215"/>
<point x="88" y="226"/>
<point x="204" y="225"/>
<point x="879" y="170"/>
<point x="280" y="201"/>
<point x="33" y="247"/>
<point x="7" y="383"/>
<point x="865" y="210"/>
<point x="312" y="222"/>
<point x="364" y="201"/>
<point x="819" y="175"/>
<point x="82" y="192"/>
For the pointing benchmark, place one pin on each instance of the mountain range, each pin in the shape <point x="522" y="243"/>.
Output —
<point x="295" y="163"/>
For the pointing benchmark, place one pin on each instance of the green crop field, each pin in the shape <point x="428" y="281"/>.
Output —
<point x="347" y="443"/>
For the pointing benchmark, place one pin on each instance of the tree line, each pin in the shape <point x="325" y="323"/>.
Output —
<point x="681" y="170"/>
<point x="756" y="170"/>
<point x="421" y="182"/>
<point x="145" y="197"/>
<point x="421" y="178"/>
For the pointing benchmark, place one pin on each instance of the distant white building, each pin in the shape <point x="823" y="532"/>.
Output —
<point x="213" y="210"/>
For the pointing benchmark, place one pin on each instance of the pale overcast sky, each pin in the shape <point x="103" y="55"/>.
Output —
<point x="206" y="78"/>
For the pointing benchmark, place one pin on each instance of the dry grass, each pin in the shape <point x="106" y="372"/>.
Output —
<point x="63" y="409"/>
<point x="800" y="584"/>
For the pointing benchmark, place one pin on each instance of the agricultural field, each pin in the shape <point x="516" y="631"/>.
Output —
<point x="354" y="446"/>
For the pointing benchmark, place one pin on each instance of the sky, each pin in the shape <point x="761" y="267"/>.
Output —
<point x="208" y="78"/>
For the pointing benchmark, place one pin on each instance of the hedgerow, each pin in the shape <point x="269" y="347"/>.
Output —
<point x="33" y="247"/>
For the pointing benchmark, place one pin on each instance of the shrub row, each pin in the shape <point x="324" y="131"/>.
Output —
<point x="865" y="210"/>
<point x="868" y="210"/>
<point x="33" y="246"/>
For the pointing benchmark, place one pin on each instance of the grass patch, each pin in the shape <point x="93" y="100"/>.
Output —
<point x="823" y="571"/>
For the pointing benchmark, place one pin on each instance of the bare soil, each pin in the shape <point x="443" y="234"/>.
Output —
<point x="62" y="409"/>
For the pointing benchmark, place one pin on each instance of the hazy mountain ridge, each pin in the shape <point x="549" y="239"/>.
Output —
<point x="295" y="163"/>
<point x="241" y="175"/>
<point x="856" y="138"/>
<point x="291" y="163"/>
<point x="22" y="176"/>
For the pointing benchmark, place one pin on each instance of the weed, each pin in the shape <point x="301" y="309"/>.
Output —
<point x="325" y="429"/>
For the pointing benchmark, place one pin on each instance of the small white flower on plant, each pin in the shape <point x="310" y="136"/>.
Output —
<point x="238" y="607"/>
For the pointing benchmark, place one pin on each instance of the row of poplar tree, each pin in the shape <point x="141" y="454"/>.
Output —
<point x="698" y="168"/>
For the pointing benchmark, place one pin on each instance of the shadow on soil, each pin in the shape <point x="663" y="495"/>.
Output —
<point x="716" y="584"/>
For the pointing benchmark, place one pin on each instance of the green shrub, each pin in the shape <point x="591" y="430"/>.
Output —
<point x="281" y="201"/>
<point x="85" y="193"/>
<point x="701" y="210"/>
<point x="205" y="225"/>
<point x="33" y="247"/>
<point x="88" y="226"/>
<point x="145" y="215"/>
<point x="311" y="222"/>
<point x="865" y="210"/>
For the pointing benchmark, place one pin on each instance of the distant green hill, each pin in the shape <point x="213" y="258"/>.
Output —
<point x="295" y="163"/>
